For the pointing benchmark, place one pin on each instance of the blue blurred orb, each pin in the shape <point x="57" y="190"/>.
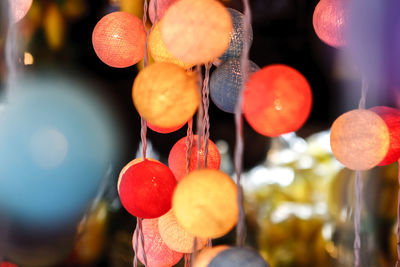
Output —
<point x="56" y="143"/>
<point x="237" y="36"/>
<point x="374" y="40"/>
<point x="238" y="257"/>
<point x="225" y="84"/>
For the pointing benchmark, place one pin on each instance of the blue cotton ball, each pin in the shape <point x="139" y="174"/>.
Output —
<point x="237" y="36"/>
<point x="238" y="257"/>
<point x="225" y="84"/>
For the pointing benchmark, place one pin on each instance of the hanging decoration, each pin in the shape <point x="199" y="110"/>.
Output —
<point x="238" y="257"/>
<point x="207" y="254"/>
<point x="162" y="7"/>
<point x="164" y="130"/>
<point x="119" y="39"/>
<point x="19" y="9"/>
<point x="177" y="157"/>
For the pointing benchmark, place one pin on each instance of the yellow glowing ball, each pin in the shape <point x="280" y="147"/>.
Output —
<point x="165" y="94"/>
<point x="359" y="139"/>
<point x="205" y="256"/>
<point x="205" y="203"/>
<point x="196" y="31"/>
<point x="175" y="237"/>
<point x="158" y="50"/>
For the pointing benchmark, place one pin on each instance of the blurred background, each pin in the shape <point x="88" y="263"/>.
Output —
<point x="78" y="111"/>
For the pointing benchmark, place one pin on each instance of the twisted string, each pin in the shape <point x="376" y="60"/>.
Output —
<point x="194" y="250"/>
<point x="189" y="144"/>
<point x="200" y="116"/>
<point x="187" y="260"/>
<point x="238" y="156"/>
<point x="357" y="219"/>
<point x="364" y="90"/>
<point x="206" y="118"/>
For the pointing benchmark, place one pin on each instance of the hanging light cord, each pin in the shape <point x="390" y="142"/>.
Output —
<point x="200" y="116"/>
<point x="238" y="157"/>
<point x="206" y="104"/>
<point x="189" y="144"/>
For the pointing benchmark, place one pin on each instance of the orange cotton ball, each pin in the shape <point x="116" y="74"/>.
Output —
<point x="162" y="6"/>
<point x="195" y="31"/>
<point x="157" y="252"/>
<point x="205" y="203"/>
<point x="158" y="50"/>
<point x="119" y="39"/>
<point x="177" y="157"/>
<point x="165" y="94"/>
<point x="175" y="237"/>
<point x="19" y="9"/>
<point x="330" y="21"/>
<point x="164" y="130"/>
<point x="359" y="139"/>
<point x="205" y="256"/>
<point x="277" y="100"/>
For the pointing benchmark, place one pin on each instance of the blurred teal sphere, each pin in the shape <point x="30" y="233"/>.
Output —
<point x="225" y="84"/>
<point x="56" y="144"/>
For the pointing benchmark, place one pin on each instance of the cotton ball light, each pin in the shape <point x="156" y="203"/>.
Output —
<point x="237" y="36"/>
<point x="157" y="252"/>
<point x="177" y="157"/>
<point x="391" y="117"/>
<point x="162" y="6"/>
<point x="119" y="39"/>
<point x="146" y="189"/>
<point x="127" y="166"/>
<point x="19" y="9"/>
<point x="277" y="100"/>
<point x="165" y="94"/>
<point x="195" y="31"/>
<point x="164" y="130"/>
<point x="205" y="256"/>
<point x="238" y="257"/>
<point x="330" y="21"/>
<point x="205" y="203"/>
<point x="359" y="139"/>
<point x="226" y="84"/>
<point x="158" y="50"/>
<point x="8" y="264"/>
<point x="175" y="237"/>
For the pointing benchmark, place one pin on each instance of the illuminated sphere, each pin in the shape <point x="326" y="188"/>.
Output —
<point x="238" y="257"/>
<point x="157" y="252"/>
<point x="205" y="256"/>
<point x="195" y="31"/>
<point x="164" y="130"/>
<point x="237" y="35"/>
<point x="330" y="21"/>
<point x="165" y="94"/>
<point x="8" y="264"/>
<point x="127" y="166"/>
<point x="162" y="6"/>
<point x="19" y="8"/>
<point x="119" y="39"/>
<point x="205" y="203"/>
<point x="175" y="237"/>
<point x="226" y="82"/>
<point x="359" y="139"/>
<point x="158" y="50"/>
<point x="277" y="100"/>
<point x="391" y="117"/>
<point x="177" y="157"/>
<point x="146" y="189"/>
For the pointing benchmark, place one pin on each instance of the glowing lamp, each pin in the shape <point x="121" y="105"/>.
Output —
<point x="175" y="237"/>
<point x="277" y="100"/>
<point x="162" y="6"/>
<point x="146" y="189"/>
<point x="205" y="203"/>
<point x="7" y="264"/>
<point x="237" y="36"/>
<point x="164" y="130"/>
<point x="204" y="257"/>
<point x="127" y="166"/>
<point x="238" y="257"/>
<point x="158" y="50"/>
<point x="165" y="94"/>
<point x="330" y="21"/>
<point x="391" y="117"/>
<point x="226" y="82"/>
<point x="119" y="39"/>
<point x="177" y="157"/>
<point x="195" y="31"/>
<point x="157" y="252"/>
<point x="359" y="139"/>
<point x="19" y="9"/>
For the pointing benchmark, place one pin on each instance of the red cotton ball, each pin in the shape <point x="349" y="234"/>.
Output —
<point x="162" y="6"/>
<point x="119" y="39"/>
<point x="158" y="254"/>
<point x="8" y="264"/>
<point x="177" y="157"/>
<point x="146" y="189"/>
<point x="277" y="100"/>
<point x="391" y="117"/>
